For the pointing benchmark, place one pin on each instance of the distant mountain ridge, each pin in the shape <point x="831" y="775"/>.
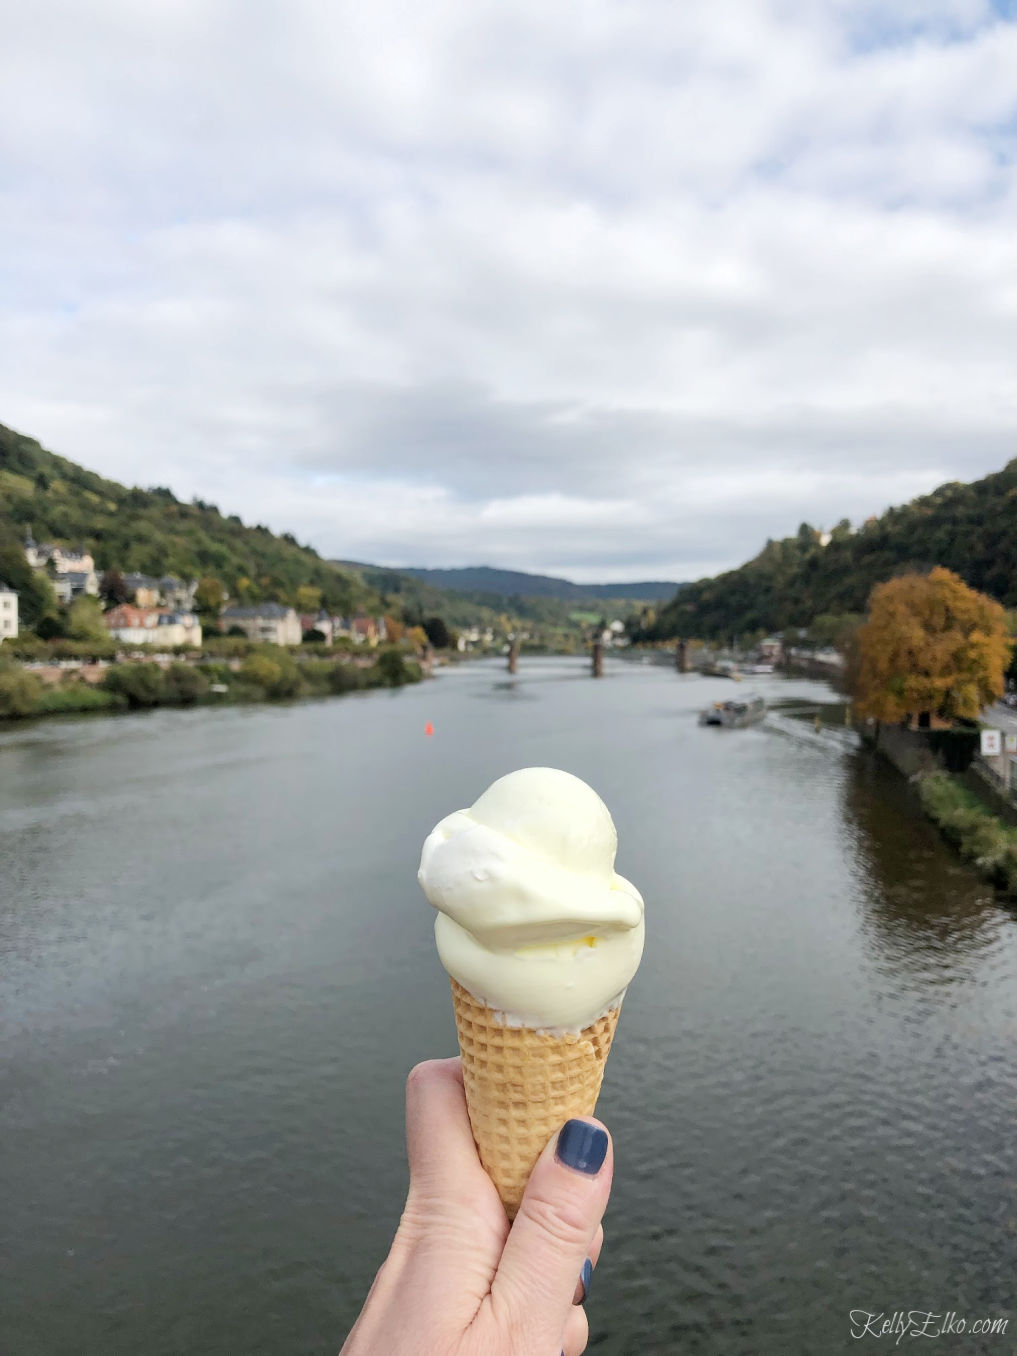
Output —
<point x="517" y="583"/>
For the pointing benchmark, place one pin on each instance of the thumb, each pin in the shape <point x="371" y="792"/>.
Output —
<point x="552" y="1235"/>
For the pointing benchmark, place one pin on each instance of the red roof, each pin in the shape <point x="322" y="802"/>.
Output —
<point x="127" y="616"/>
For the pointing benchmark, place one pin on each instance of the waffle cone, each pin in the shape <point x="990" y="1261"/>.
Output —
<point x="522" y="1085"/>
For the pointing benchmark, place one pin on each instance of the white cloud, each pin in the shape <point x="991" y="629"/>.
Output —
<point x="610" y="286"/>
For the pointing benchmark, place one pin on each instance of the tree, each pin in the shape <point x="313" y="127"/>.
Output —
<point x="140" y="684"/>
<point x="36" y="598"/>
<point x="208" y="596"/>
<point x="931" y="647"/>
<point x="19" y="690"/>
<point x="50" y="628"/>
<point x="183" y="685"/>
<point x="833" y="630"/>
<point x="438" y="633"/>
<point x="275" y="672"/>
<point x="114" y="589"/>
<point x="392" y="668"/>
<point x="84" y="619"/>
<point x="393" y="629"/>
<point x="307" y="598"/>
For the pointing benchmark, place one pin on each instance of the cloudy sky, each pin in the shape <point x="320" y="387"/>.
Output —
<point x="606" y="288"/>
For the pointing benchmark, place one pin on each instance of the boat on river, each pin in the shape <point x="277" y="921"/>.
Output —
<point x="734" y="714"/>
<point x="723" y="668"/>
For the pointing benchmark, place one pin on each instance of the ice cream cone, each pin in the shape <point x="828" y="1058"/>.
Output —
<point x="523" y="1084"/>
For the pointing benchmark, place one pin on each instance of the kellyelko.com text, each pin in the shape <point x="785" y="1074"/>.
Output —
<point x="922" y="1323"/>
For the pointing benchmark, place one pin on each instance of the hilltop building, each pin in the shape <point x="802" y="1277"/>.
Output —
<point x="270" y="623"/>
<point x="169" y="591"/>
<point x="8" y="613"/>
<point x="72" y="572"/>
<point x="177" y="593"/>
<point x="143" y="589"/>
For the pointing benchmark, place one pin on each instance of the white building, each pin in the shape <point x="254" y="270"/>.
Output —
<point x="270" y="623"/>
<point x="8" y="613"/>
<point x="73" y="572"/>
<point x="146" y="626"/>
<point x="75" y="584"/>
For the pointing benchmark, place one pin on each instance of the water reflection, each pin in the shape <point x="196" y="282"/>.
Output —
<point x="922" y="910"/>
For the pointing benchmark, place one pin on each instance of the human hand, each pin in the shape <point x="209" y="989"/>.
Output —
<point x="458" y="1279"/>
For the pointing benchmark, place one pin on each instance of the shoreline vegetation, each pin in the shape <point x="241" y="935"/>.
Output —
<point x="980" y="837"/>
<point x="246" y="673"/>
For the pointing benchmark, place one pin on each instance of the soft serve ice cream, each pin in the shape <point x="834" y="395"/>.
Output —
<point x="532" y="918"/>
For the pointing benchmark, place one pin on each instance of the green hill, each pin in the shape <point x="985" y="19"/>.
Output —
<point x="152" y="532"/>
<point x="969" y="528"/>
<point x="480" y="579"/>
<point x="419" y="593"/>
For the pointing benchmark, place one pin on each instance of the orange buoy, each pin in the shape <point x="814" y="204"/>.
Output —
<point x="429" y="729"/>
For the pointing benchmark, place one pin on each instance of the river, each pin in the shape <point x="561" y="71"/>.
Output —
<point x="216" y="968"/>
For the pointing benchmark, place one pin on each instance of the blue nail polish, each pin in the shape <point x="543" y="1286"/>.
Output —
<point x="586" y="1276"/>
<point x="581" y="1146"/>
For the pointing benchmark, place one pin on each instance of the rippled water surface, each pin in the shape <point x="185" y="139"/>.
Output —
<point x="216" y="968"/>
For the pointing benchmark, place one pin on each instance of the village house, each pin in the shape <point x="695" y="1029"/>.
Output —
<point x="75" y="584"/>
<point x="151" y="626"/>
<point x="368" y="630"/>
<point x="169" y="591"/>
<point x="142" y="589"/>
<point x="8" y="613"/>
<point x="322" y="622"/>
<point x="271" y="623"/>
<point x="177" y="593"/>
<point x="72" y="572"/>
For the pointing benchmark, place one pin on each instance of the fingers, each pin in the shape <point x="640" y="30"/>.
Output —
<point x="553" y="1234"/>
<point x="583" y="1285"/>
<point x="444" y="1166"/>
<point x="576" y="1334"/>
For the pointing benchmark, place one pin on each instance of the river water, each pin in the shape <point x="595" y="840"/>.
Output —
<point x="216" y="968"/>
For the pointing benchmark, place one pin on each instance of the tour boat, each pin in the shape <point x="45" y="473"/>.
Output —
<point x="734" y="715"/>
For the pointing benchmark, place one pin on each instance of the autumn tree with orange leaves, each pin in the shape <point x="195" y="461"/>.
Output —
<point x="931" y="647"/>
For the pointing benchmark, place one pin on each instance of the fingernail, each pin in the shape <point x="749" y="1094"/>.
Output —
<point x="586" y="1276"/>
<point x="582" y="1146"/>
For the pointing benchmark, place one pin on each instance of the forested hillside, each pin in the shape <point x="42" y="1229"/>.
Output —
<point x="418" y="594"/>
<point x="484" y="579"/>
<point x="969" y="528"/>
<point x="152" y="532"/>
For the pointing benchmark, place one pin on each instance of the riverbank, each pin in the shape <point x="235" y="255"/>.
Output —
<point x="970" y="826"/>
<point x="265" y="674"/>
<point x="973" y="818"/>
